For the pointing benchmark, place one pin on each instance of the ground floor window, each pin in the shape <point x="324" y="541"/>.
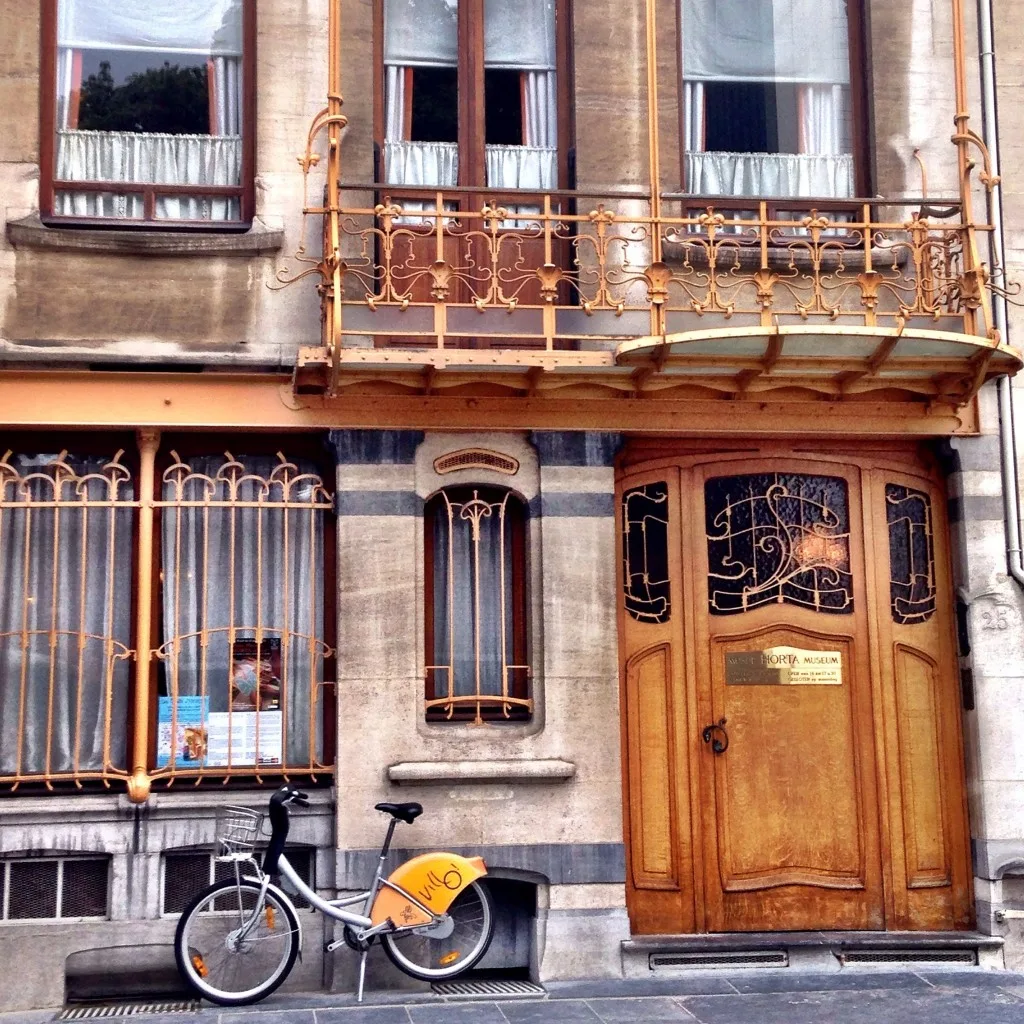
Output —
<point x="235" y="598"/>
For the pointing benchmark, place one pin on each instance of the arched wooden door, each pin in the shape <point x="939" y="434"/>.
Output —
<point x="791" y="725"/>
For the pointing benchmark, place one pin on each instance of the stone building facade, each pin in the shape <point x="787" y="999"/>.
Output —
<point x="617" y="344"/>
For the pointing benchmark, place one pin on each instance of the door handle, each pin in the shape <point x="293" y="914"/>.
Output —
<point x="718" y="745"/>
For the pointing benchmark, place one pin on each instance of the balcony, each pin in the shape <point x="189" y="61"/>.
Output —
<point x="739" y="298"/>
<point x="647" y="292"/>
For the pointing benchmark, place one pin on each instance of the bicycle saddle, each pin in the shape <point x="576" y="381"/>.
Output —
<point x="404" y="812"/>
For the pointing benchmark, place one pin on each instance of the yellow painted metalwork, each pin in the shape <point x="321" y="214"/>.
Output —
<point x="684" y="264"/>
<point x="433" y="879"/>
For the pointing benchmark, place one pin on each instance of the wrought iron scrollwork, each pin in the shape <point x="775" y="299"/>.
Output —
<point x="778" y="537"/>
<point x="645" y="553"/>
<point x="911" y="554"/>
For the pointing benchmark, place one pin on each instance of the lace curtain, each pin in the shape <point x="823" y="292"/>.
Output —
<point x="802" y="43"/>
<point x="258" y="565"/>
<point x="190" y="27"/>
<point x="519" y="36"/>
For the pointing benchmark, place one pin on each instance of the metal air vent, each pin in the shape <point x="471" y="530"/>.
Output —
<point x="492" y="989"/>
<point x="706" y="959"/>
<point x="476" y="458"/>
<point x="107" y="1010"/>
<point x="939" y="957"/>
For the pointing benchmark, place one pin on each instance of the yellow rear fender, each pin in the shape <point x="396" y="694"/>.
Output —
<point x="433" y="880"/>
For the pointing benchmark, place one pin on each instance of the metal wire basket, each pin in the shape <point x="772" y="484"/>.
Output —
<point x="238" y="831"/>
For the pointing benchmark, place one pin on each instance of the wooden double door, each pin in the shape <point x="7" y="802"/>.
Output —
<point x="790" y="697"/>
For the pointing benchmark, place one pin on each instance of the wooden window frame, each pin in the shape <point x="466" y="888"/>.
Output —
<point x="472" y="101"/>
<point x="520" y="681"/>
<point x="245" y="191"/>
<point x="860" y="80"/>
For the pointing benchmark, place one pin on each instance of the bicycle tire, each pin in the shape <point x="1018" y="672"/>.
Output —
<point x="204" y="931"/>
<point x="422" y="956"/>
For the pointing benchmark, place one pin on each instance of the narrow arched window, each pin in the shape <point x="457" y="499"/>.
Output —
<point x="476" y="667"/>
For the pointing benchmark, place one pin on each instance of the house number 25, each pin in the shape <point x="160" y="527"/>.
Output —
<point x="996" y="619"/>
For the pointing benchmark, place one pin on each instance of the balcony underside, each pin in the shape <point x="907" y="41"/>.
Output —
<point x="834" y="361"/>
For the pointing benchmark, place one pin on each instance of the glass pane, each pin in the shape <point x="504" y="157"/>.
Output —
<point x="778" y="537"/>
<point x="421" y="32"/>
<point x="435" y="105"/>
<point x="645" y="553"/>
<point x="911" y="555"/>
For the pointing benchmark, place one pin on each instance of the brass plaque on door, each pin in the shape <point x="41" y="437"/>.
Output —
<point x="784" y="666"/>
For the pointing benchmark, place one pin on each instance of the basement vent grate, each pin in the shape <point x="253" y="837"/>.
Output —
<point x="697" y="961"/>
<point x="497" y="989"/>
<point x="127" y="1009"/>
<point x="966" y="957"/>
<point x="476" y="458"/>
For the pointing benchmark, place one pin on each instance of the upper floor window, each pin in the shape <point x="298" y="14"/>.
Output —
<point x="475" y="543"/>
<point x="147" y="111"/>
<point x="450" y="118"/>
<point x="768" y="108"/>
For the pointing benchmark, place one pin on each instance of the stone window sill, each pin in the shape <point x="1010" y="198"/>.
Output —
<point x="31" y="233"/>
<point x="427" y="772"/>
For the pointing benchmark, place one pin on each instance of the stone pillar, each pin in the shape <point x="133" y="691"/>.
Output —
<point x="992" y="608"/>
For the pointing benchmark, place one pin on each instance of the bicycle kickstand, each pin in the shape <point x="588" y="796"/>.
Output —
<point x="362" y="974"/>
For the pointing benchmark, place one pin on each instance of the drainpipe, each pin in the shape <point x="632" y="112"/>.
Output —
<point x="997" y="263"/>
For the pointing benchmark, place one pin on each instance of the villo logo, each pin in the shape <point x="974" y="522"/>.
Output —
<point x="450" y="880"/>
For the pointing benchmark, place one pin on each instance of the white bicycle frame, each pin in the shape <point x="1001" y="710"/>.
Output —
<point x="363" y="927"/>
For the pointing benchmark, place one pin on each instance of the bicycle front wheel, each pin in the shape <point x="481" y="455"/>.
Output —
<point x="222" y="964"/>
<point x="453" y="945"/>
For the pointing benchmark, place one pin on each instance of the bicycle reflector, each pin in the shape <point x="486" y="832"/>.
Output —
<point x="199" y="964"/>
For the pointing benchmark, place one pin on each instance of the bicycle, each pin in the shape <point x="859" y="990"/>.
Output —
<point x="237" y="941"/>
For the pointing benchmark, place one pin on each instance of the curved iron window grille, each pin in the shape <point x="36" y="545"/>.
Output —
<point x="646" y="584"/>
<point x="778" y="537"/>
<point x="911" y="554"/>
<point x="475" y="541"/>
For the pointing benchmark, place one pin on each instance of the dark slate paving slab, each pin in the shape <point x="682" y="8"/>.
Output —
<point x="450" y="1013"/>
<point x="242" y="1015"/>
<point x="562" y="1011"/>
<point x="869" y="1007"/>
<point x="970" y="980"/>
<point x="679" y="985"/>
<point x="788" y="980"/>
<point x="364" y="1015"/>
<point x="657" y="1010"/>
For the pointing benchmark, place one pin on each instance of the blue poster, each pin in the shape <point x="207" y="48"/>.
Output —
<point x="184" y="733"/>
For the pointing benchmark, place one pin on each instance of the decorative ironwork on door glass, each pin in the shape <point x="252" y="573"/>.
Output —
<point x="911" y="554"/>
<point x="645" y="553"/>
<point x="778" y="538"/>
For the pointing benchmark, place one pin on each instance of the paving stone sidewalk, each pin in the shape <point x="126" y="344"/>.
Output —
<point x="751" y="997"/>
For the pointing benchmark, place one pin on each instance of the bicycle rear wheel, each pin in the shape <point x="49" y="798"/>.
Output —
<point x="450" y="947"/>
<point x="218" y="963"/>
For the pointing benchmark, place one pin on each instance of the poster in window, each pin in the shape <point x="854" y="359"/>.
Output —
<point x="183" y="734"/>
<point x="256" y="675"/>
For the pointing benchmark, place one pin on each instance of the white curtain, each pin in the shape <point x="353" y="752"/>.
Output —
<point x="277" y="584"/>
<point x="769" y="174"/>
<point x="823" y="123"/>
<point x="759" y="40"/>
<point x="193" y="27"/>
<point x="138" y="157"/>
<point x="78" y="584"/>
<point x="470" y="587"/>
